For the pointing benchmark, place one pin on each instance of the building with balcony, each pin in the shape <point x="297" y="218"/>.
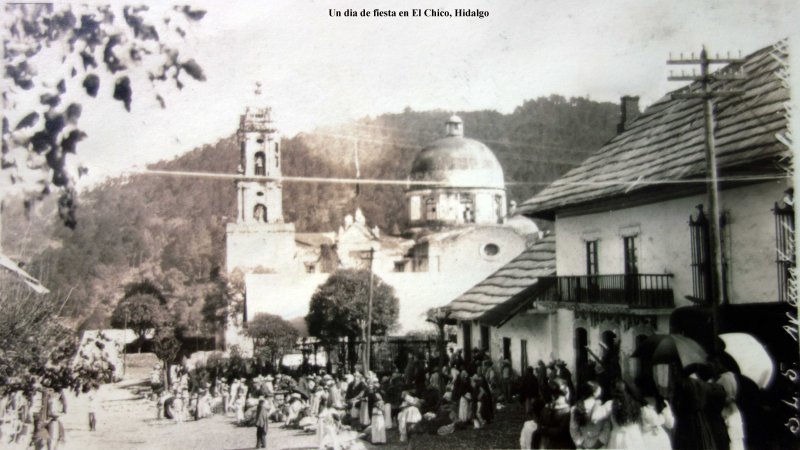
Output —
<point x="631" y="249"/>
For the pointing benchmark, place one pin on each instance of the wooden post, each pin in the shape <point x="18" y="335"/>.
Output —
<point x="712" y="185"/>
<point x="368" y="343"/>
<point x="712" y="190"/>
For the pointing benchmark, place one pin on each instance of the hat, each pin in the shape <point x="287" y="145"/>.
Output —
<point x="269" y="378"/>
<point x="296" y="395"/>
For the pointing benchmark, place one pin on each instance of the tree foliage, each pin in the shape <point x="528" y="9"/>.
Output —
<point x="141" y="313"/>
<point x="272" y="336"/>
<point x="53" y="53"/>
<point x="36" y="349"/>
<point x="339" y="306"/>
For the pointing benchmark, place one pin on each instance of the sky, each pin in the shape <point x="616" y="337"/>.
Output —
<point x="319" y="70"/>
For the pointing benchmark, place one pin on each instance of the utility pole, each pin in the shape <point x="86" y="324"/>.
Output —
<point x="125" y="345"/>
<point x="368" y="344"/>
<point x="712" y="188"/>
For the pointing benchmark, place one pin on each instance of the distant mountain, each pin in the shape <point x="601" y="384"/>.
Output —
<point x="171" y="229"/>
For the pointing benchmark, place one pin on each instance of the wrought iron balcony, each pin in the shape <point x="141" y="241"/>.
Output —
<point x="635" y="290"/>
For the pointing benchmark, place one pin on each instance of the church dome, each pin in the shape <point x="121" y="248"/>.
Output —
<point x="458" y="161"/>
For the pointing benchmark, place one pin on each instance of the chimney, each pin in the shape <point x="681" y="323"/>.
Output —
<point x="629" y="107"/>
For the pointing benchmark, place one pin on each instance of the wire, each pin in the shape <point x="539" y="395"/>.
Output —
<point x="408" y="183"/>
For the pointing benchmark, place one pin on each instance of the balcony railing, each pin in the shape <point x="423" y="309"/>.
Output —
<point x="635" y="291"/>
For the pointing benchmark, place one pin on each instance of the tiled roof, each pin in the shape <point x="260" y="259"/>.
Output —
<point x="667" y="141"/>
<point x="519" y="275"/>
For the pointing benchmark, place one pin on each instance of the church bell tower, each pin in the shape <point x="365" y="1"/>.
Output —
<point x="259" y="238"/>
<point x="259" y="194"/>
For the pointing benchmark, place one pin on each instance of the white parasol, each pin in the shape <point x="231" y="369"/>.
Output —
<point x="751" y="356"/>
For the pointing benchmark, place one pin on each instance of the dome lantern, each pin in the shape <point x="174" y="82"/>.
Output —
<point x="454" y="126"/>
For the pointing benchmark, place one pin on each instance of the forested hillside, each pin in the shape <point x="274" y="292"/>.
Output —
<point x="171" y="230"/>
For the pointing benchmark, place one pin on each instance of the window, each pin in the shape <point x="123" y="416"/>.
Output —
<point x="784" y="243"/>
<point x="260" y="167"/>
<point x="277" y="155"/>
<point x="591" y="258"/>
<point x="467" y="208"/>
<point x="260" y="213"/>
<point x="414" y="208"/>
<point x="702" y="262"/>
<point x="523" y="355"/>
<point x="498" y="205"/>
<point x="631" y="255"/>
<point x="242" y="158"/>
<point x="491" y="250"/>
<point x="430" y="209"/>
<point x="631" y="279"/>
<point x="701" y="256"/>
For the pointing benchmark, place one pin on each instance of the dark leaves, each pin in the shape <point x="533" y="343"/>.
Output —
<point x="113" y="64"/>
<point x="123" y="93"/>
<point x="50" y="100"/>
<point x="27" y="121"/>
<point x="62" y="87"/>
<point x="140" y="28"/>
<point x="194" y="70"/>
<point x="41" y="141"/>
<point x="92" y="84"/>
<point x="88" y="60"/>
<point x="67" y="207"/>
<point x="54" y="123"/>
<point x="192" y="14"/>
<point x="73" y="112"/>
<point x="70" y="143"/>
<point x="21" y="73"/>
<point x="89" y="31"/>
<point x="161" y="101"/>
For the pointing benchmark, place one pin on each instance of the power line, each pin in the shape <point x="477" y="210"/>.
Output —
<point x="409" y="183"/>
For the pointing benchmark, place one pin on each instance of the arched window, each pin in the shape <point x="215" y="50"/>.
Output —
<point x="277" y="155"/>
<point x="242" y="158"/>
<point x="260" y="167"/>
<point x="260" y="213"/>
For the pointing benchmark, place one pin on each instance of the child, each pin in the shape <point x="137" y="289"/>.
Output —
<point x="378" y="421"/>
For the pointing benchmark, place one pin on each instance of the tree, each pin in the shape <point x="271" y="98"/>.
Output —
<point x="272" y="336"/>
<point x="36" y="349"/>
<point x="145" y="287"/>
<point x="166" y="347"/>
<point x="86" y="45"/>
<point x="339" y="307"/>
<point x="141" y="313"/>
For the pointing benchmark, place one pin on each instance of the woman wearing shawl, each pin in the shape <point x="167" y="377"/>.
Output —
<point x="553" y="430"/>
<point x="587" y="433"/>
<point x="409" y="415"/>
<point x="484" y="404"/>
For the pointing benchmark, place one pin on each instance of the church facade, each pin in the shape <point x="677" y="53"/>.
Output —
<point x="458" y="234"/>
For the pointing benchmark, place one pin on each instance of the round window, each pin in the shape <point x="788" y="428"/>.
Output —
<point x="491" y="249"/>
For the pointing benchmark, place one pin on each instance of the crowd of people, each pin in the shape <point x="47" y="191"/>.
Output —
<point x="432" y="393"/>
<point x="37" y="415"/>
<point x="691" y="407"/>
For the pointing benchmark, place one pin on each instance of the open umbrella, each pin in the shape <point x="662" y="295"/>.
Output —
<point x="750" y="355"/>
<point x="667" y="348"/>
